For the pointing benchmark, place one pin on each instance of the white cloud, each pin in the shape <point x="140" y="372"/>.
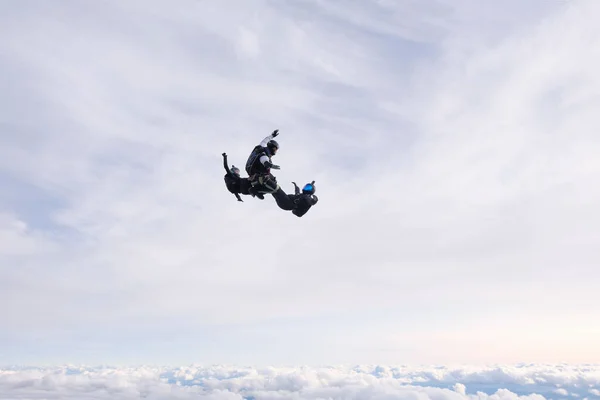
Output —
<point x="292" y="383"/>
<point x="460" y="388"/>
<point x="562" y="392"/>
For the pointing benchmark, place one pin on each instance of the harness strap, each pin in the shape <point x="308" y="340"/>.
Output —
<point x="265" y="182"/>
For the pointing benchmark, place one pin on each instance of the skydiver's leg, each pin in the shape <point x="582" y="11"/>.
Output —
<point x="266" y="184"/>
<point x="254" y="187"/>
<point x="283" y="200"/>
<point x="253" y="191"/>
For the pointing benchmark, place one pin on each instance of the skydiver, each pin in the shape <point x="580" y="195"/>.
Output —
<point x="305" y="200"/>
<point x="258" y="166"/>
<point x="234" y="182"/>
<point x="299" y="202"/>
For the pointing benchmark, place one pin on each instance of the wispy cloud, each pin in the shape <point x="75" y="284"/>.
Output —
<point x="453" y="147"/>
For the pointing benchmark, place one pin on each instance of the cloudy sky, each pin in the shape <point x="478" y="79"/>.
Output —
<point x="454" y="144"/>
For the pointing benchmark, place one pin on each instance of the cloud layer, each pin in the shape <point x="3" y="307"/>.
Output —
<point x="501" y="382"/>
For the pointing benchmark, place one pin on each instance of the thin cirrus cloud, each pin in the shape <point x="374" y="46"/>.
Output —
<point x="452" y="145"/>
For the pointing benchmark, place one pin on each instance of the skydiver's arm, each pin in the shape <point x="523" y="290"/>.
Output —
<point x="225" y="164"/>
<point x="296" y="189"/>
<point x="264" y="160"/>
<point x="271" y="136"/>
<point x="265" y="141"/>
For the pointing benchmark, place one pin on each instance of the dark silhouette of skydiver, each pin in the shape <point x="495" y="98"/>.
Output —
<point x="299" y="202"/>
<point x="234" y="182"/>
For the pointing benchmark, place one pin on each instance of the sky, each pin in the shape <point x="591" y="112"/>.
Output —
<point x="453" y="143"/>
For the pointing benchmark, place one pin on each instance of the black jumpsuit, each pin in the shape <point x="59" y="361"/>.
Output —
<point x="298" y="203"/>
<point x="234" y="183"/>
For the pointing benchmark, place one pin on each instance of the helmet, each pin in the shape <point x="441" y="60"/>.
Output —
<point x="309" y="188"/>
<point x="235" y="170"/>
<point x="273" y="146"/>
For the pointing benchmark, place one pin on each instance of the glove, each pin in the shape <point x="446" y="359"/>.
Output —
<point x="275" y="166"/>
<point x="275" y="133"/>
<point x="224" y="154"/>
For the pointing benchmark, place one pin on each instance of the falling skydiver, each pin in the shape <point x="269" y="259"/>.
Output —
<point x="234" y="182"/>
<point x="258" y="166"/>
<point x="260" y="181"/>
<point x="299" y="202"/>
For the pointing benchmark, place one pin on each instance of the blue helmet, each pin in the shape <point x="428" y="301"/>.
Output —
<point x="309" y="188"/>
